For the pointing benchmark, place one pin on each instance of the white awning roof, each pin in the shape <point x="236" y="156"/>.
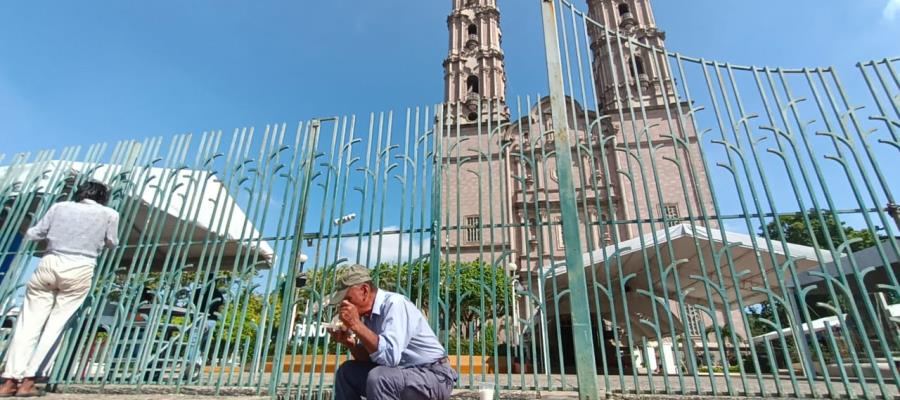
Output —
<point x="175" y="192"/>
<point x="864" y="259"/>
<point x="818" y="325"/>
<point x="646" y="264"/>
<point x="751" y="261"/>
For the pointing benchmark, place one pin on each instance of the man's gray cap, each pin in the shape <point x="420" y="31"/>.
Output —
<point x="347" y="277"/>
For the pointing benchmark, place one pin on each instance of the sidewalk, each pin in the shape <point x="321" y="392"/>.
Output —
<point x="457" y="394"/>
<point x="83" y="396"/>
<point x="86" y="396"/>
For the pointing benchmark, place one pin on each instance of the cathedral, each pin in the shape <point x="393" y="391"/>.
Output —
<point x="632" y="162"/>
<point x="632" y="116"/>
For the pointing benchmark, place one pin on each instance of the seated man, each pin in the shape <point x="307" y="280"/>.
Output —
<point x="396" y="354"/>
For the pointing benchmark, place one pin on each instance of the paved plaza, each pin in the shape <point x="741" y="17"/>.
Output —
<point x="531" y="387"/>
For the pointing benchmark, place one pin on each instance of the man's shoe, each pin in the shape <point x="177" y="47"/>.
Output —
<point x="36" y="393"/>
<point x="11" y="386"/>
<point x="30" y="390"/>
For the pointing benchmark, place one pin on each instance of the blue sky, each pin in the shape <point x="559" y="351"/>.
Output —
<point x="76" y="73"/>
<point x="101" y="71"/>
<point x="106" y="71"/>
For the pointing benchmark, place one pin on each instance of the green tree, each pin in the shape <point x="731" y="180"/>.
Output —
<point x="471" y="293"/>
<point x="470" y="290"/>
<point x="475" y="291"/>
<point x="796" y="230"/>
<point x="766" y="311"/>
<point x="822" y="225"/>
<point x="240" y="324"/>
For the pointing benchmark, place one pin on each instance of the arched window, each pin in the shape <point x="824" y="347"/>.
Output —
<point x="637" y="68"/>
<point x="623" y="9"/>
<point x="472" y="84"/>
<point x="532" y="230"/>
<point x="473" y="29"/>
<point x="560" y="237"/>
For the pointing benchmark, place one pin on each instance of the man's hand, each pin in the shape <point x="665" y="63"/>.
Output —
<point x="349" y="315"/>
<point x="343" y="337"/>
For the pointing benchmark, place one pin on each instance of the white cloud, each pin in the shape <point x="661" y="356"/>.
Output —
<point x="394" y="247"/>
<point x="891" y="10"/>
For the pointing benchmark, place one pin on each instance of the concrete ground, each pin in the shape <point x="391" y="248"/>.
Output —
<point x="83" y="396"/>
<point x="88" y="396"/>
<point x="542" y="386"/>
<point x="770" y="387"/>
<point x="121" y="392"/>
<point x="460" y="395"/>
<point x="457" y="395"/>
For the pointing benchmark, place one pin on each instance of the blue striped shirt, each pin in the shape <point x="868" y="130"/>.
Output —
<point x="404" y="337"/>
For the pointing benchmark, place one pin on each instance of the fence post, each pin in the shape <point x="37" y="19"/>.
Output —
<point x="285" y="332"/>
<point x="434" y="267"/>
<point x="585" y="365"/>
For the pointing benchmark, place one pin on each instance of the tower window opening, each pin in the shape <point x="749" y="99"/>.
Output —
<point x="473" y="29"/>
<point x="560" y="235"/>
<point x="623" y="9"/>
<point x="532" y="230"/>
<point x="472" y="84"/>
<point x="670" y="211"/>
<point x="637" y="68"/>
<point x="695" y="321"/>
<point x="473" y="230"/>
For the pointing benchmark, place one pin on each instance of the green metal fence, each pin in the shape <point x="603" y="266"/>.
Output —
<point x="784" y="155"/>
<point x="659" y="224"/>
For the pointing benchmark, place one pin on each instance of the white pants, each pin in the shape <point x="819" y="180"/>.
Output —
<point x="56" y="290"/>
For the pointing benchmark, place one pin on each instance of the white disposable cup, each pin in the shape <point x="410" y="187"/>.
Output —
<point x="486" y="390"/>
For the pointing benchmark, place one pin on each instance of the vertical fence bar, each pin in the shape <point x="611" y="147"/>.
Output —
<point x="299" y="229"/>
<point x="586" y="368"/>
<point x="617" y="133"/>
<point x="434" y="267"/>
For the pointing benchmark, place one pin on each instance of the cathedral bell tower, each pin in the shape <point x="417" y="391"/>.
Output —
<point x="473" y="71"/>
<point x="630" y="66"/>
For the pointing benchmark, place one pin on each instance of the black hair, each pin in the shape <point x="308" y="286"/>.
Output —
<point x="92" y="190"/>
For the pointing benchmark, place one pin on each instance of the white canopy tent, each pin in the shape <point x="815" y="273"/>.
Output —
<point x="646" y="263"/>
<point x="168" y="202"/>
<point x="862" y="260"/>
<point x="818" y="325"/>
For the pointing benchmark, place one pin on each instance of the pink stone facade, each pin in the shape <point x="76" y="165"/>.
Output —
<point x="498" y="172"/>
<point x="485" y="177"/>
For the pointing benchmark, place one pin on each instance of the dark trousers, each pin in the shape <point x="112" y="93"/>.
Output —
<point x="355" y="379"/>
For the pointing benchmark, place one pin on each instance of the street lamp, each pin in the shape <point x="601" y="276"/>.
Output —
<point x="298" y="283"/>
<point x="345" y="219"/>
<point x="514" y="286"/>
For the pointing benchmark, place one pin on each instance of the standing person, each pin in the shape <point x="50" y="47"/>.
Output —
<point x="75" y="231"/>
<point x="396" y="354"/>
